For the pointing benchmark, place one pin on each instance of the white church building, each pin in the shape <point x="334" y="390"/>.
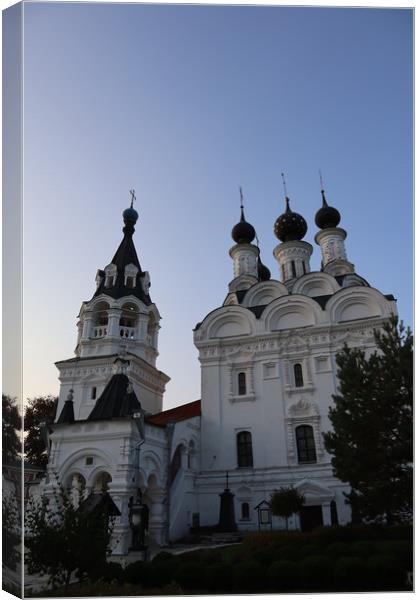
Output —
<point x="268" y="373"/>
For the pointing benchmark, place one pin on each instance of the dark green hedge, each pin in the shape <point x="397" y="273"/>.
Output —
<point x="353" y="558"/>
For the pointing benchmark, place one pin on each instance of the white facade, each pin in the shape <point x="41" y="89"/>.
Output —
<point x="268" y="374"/>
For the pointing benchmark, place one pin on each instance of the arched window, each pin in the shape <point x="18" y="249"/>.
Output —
<point x="297" y="369"/>
<point x="283" y="272"/>
<point x="102" y="482"/>
<point x="241" y="384"/>
<point x="305" y="443"/>
<point x="244" y="510"/>
<point x="244" y="448"/>
<point x="293" y="269"/>
<point x="303" y="267"/>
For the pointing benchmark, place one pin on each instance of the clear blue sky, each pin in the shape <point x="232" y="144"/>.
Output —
<point x="186" y="103"/>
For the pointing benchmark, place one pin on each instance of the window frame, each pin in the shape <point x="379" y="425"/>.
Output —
<point x="244" y="450"/>
<point x="298" y="375"/>
<point x="305" y="444"/>
<point x="241" y="383"/>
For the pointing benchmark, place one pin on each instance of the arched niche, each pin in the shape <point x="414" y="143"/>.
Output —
<point x="101" y="482"/>
<point x="230" y="322"/>
<point x="75" y="481"/>
<point x="316" y="284"/>
<point x="352" y="304"/>
<point x="292" y="314"/>
<point x="100" y="313"/>
<point x="263" y="293"/>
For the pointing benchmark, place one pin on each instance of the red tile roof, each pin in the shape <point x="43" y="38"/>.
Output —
<point x="173" y="415"/>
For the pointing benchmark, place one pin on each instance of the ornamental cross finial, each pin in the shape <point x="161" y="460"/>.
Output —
<point x="284" y="184"/>
<point x="324" y="201"/>
<point x="133" y="197"/>
<point x="320" y="179"/>
<point x="242" y="196"/>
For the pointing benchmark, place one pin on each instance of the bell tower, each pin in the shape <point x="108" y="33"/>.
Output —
<point x="120" y="321"/>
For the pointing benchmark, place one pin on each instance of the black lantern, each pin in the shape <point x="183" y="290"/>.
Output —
<point x="139" y="522"/>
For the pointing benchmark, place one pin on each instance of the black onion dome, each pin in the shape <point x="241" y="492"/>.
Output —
<point x="264" y="273"/>
<point x="290" y="225"/>
<point x="243" y="232"/>
<point x="327" y="216"/>
<point x="131" y="215"/>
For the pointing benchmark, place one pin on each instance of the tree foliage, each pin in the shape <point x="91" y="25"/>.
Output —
<point x="286" y="502"/>
<point x="372" y="438"/>
<point x="11" y="532"/>
<point x="38" y="410"/>
<point x="61" y="539"/>
<point x="11" y="426"/>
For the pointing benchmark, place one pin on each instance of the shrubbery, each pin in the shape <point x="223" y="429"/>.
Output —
<point x="283" y="575"/>
<point x="328" y="559"/>
<point x="249" y="576"/>
<point x="351" y="574"/>
<point x="315" y="573"/>
<point x="191" y="576"/>
<point x="218" y="578"/>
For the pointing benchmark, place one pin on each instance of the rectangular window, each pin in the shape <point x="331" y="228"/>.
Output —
<point x="89" y="461"/>
<point x="305" y="442"/>
<point x="241" y="384"/>
<point x="298" y="373"/>
<point x="244" y="449"/>
<point x="93" y="393"/>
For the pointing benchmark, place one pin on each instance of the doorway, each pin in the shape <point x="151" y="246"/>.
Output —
<point x="311" y="517"/>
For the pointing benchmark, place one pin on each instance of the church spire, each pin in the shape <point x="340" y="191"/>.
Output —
<point x="124" y="275"/>
<point x="244" y="254"/>
<point x="293" y="253"/>
<point x="331" y="240"/>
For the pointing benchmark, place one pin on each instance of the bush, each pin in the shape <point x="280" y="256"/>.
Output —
<point x="137" y="572"/>
<point x="266" y="555"/>
<point x="310" y="550"/>
<point x="218" y="578"/>
<point x="350" y="574"/>
<point x="287" y="553"/>
<point x="254" y="541"/>
<point x="113" y="572"/>
<point x="315" y="573"/>
<point x="362" y="549"/>
<point x="162" y="572"/>
<point x="283" y="575"/>
<point x="385" y="573"/>
<point x="249" y="576"/>
<point x="161" y="556"/>
<point x="338" y="549"/>
<point x="210" y="557"/>
<point x="191" y="576"/>
<point x="401" y="550"/>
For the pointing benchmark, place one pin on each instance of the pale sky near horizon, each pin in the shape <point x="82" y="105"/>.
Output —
<point x="184" y="104"/>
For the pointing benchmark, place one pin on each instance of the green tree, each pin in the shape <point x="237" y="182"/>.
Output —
<point x="11" y="531"/>
<point x="61" y="539"/>
<point x="372" y="418"/>
<point x="286" y="502"/>
<point x="38" y="410"/>
<point x="11" y="426"/>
